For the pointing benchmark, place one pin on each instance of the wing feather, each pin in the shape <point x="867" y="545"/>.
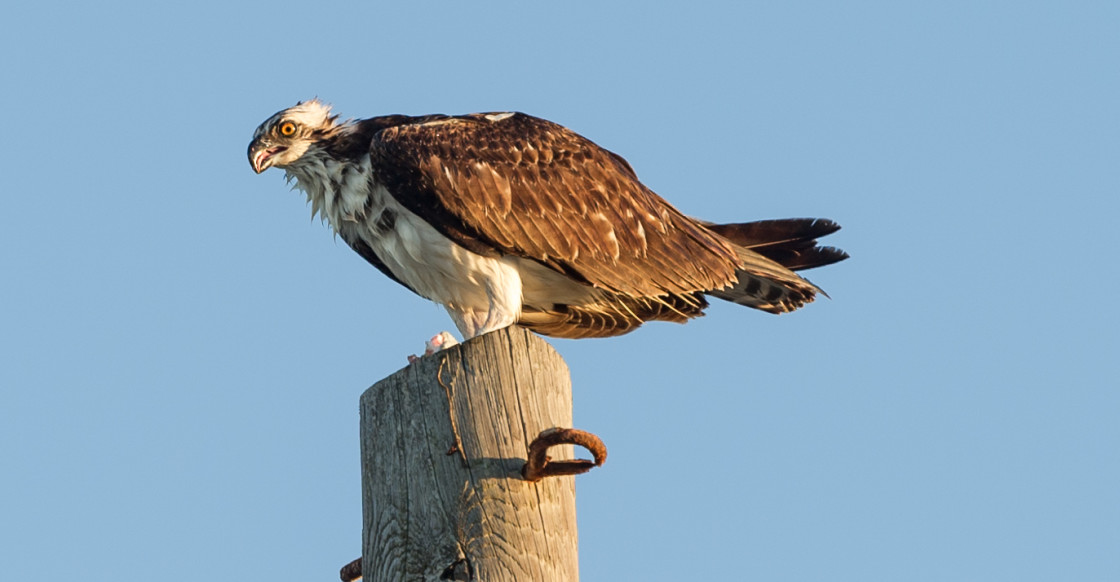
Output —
<point x="528" y="187"/>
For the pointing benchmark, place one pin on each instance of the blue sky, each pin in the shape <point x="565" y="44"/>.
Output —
<point x="183" y="349"/>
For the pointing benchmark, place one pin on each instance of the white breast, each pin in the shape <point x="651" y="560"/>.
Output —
<point x="480" y="293"/>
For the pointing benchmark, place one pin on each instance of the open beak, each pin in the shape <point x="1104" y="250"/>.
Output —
<point x="260" y="157"/>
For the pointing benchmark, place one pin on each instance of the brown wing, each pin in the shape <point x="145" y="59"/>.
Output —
<point x="519" y="185"/>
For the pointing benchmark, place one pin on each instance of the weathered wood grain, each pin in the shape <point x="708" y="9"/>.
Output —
<point x="444" y="503"/>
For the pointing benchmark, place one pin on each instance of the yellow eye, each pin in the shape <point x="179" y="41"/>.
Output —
<point x="287" y="129"/>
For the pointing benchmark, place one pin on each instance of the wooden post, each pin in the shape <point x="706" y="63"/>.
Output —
<point x="443" y="444"/>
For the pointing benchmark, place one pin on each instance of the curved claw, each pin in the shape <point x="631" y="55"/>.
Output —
<point x="540" y="465"/>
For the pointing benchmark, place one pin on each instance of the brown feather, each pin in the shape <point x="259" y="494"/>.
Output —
<point x="616" y="315"/>
<point x="527" y="187"/>
<point x="446" y="164"/>
<point x="791" y="242"/>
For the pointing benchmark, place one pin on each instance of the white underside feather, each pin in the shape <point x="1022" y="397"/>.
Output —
<point x="480" y="293"/>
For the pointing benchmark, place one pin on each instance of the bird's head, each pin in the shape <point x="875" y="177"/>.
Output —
<point x="285" y="137"/>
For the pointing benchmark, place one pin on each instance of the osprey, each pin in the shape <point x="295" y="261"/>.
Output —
<point x="505" y="218"/>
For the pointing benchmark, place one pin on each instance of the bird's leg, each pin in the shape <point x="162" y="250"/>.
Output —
<point x="540" y="465"/>
<point x="440" y="341"/>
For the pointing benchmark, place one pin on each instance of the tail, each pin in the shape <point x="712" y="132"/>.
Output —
<point x="769" y="253"/>
<point x="790" y="242"/>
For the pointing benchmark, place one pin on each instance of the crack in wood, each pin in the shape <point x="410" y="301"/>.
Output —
<point x="457" y="446"/>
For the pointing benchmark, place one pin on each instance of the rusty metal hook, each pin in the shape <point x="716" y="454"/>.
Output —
<point x="540" y="465"/>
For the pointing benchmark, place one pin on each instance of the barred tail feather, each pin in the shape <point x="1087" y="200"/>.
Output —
<point x="769" y="253"/>
<point x="766" y="285"/>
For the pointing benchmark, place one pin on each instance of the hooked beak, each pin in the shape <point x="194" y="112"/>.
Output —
<point x="260" y="157"/>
